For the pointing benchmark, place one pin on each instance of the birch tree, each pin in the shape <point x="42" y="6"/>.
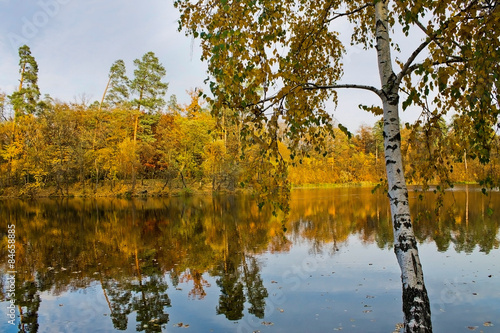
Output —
<point x="290" y="50"/>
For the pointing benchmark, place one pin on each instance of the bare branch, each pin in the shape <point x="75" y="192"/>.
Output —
<point x="357" y="10"/>
<point x="407" y="68"/>
<point x="312" y="86"/>
<point x="449" y="62"/>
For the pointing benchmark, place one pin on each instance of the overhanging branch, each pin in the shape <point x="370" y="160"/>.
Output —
<point x="357" y="10"/>
<point x="449" y="62"/>
<point x="408" y="68"/>
<point x="312" y="86"/>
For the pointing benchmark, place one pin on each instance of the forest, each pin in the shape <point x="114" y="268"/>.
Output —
<point x="134" y="142"/>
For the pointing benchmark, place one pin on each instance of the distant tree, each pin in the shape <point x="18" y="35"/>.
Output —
<point x="25" y="99"/>
<point x="173" y="105"/>
<point x="117" y="89"/>
<point x="3" y="106"/>
<point x="147" y="83"/>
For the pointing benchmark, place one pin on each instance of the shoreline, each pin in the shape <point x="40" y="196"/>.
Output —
<point x="155" y="189"/>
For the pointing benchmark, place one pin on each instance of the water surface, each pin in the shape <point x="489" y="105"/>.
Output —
<point x="218" y="264"/>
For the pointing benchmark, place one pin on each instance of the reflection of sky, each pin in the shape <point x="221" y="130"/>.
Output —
<point x="357" y="289"/>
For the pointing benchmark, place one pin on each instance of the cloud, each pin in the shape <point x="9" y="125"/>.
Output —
<point x="75" y="43"/>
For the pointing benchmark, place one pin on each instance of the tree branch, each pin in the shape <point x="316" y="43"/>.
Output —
<point x="338" y="15"/>
<point x="312" y="86"/>
<point x="407" y="68"/>
<point x="446" y="62"/>
<point x="431" y="37"/>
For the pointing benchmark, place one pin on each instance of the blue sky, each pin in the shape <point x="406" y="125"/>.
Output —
<point x="76" y="41"/>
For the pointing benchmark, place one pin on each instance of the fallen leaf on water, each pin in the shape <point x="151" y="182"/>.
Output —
<point x="267" y="323"/>
<point x="472" y="328"/>
<point x="487" y="324"/>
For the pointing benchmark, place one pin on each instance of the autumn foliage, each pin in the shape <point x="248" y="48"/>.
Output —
<point x="74" y="149"/>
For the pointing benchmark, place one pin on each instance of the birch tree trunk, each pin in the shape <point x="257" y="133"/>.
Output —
<point x="416" y="306"/>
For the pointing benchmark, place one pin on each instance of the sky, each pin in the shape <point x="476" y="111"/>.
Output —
<point x="75" y="43"/>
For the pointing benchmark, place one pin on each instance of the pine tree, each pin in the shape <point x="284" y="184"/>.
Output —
<point x="147" y="83"/>
<point x="25" y="100"/>
<point x="117" y="90"/>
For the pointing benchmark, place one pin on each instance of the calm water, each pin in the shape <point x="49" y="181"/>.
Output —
<point x="206" y="264"/>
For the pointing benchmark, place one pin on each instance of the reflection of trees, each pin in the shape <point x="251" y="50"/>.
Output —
<point x="331" y="216"/>
<point x="232" y="298"/>
<point x="150" y="302"/>
<point x="256" y="292"/>
<point x="239" y="282"/>
<point x="119" y="301"/>
<point x="151" y="298"/>
<point x="132" y="248"/>
<point x="238" y="271"/>
<point x="28" y="302"/>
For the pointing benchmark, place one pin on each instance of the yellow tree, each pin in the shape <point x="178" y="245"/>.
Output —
<point x="291" y="49"/>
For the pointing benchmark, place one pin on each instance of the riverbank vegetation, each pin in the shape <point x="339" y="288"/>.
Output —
<point x="135" y="142"/>
<point x="74" y="149"/>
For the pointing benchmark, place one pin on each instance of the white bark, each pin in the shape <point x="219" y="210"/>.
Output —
<point x="416" y="307"/>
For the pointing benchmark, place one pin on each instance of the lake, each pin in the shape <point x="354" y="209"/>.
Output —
<point x="218" y="264"/>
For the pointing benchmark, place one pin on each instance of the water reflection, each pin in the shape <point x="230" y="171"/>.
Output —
<point x="137" y="252"/>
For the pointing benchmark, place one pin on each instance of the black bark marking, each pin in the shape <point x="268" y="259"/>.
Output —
<point x="379" y="22"/>
<point x="392" y="120"/>
<point x="415" y="266"/>
<point x="393" y="147"/>
<point x="405" y="243"/>
<point x="396" y="187"/>
<point x="396" y="138"/>
<point x="399" y="171"/>
<point x="393" y="99"/>
<point x="384" y="135"/>
<point x="390" y="162"/>
<point x="401" y="219"/>
<point x="416" y="306"/>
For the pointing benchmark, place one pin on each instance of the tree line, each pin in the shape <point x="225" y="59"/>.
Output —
<point x="133" y="142"/>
